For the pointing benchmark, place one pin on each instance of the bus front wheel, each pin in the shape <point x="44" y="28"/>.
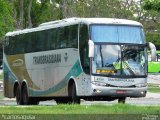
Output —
<point x="74" y="98"/>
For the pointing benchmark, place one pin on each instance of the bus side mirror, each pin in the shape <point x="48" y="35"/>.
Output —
<point x="91" y="48"/>
<point x="153" y="51"/>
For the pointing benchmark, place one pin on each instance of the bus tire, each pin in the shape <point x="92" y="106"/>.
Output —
<point x="25" y="95"/>
<point x="18" y="96"/>
<point x="122" y="100"/>
<point x="26" y="99"/>
<point x="74" y="98"/>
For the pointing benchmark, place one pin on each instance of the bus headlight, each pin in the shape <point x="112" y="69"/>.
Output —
<point x="141" y="85"/>
<point x="99" y="83"/>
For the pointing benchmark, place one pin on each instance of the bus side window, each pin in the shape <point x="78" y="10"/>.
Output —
<point x="83" y="48"/>
<point x="28" y="47"/>
<point x="58" y="42"/>
<point x="20" y="44"/>
<point x="33" y="42"/>
<point x="66" y="36"/>
<point x="73" y="36"/>
<point x="12" y="46"/>
<point x="40" y="41"/>
<point x="48" y="40"/>
<point x="53" y="38"/>
<point x="63" y="37"/>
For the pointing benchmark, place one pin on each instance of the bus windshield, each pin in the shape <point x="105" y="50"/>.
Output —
<point x="124" y="60"/>
<point x="117" y="34"/>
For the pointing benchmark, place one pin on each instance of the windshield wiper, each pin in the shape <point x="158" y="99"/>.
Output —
<point x="101" y="55"/>
<point x="120" y="61"/>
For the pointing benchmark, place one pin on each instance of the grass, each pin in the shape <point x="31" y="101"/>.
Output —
<point x="81" y="112"/>
<point x="154" y="88"/>
<point x="80" y="109"/>
<point x="154" y="67"/>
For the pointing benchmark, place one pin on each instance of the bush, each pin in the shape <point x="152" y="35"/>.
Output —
<point x="154" y="38"/>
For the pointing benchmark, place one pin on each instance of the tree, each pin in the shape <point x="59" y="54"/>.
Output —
<point x="29" y="14"/>
<point x="6" y="18"/>
<point x="153" y="30"/>
<point x="152" y="5"/>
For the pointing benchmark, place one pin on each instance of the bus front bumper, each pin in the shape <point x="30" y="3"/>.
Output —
<point x="118" y="91"/>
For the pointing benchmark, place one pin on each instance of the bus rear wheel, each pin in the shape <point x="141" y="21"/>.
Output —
<point x="26" y="99"/>
<point x="74" y="98"/>
<point x="122" y="100"/>
<point x="18" y="96"/>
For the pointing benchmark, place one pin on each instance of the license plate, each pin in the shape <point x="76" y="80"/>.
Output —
<point x="120" y="91"/>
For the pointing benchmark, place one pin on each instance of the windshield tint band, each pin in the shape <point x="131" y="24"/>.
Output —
<point x="117" y="34"/>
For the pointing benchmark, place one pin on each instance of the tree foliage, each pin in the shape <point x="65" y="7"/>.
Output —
<point x="153" y="37"/>
<point x="22" y="14"/>
<point x="6" y="19"/>
<point x="153" y="28"/>
<point x="152" y="5"/>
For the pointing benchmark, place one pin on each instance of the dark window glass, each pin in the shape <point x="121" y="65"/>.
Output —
<point x="40" y="41"/>
<point x="8" y="47"/>
<point x="62" y="37"/>
<point x="56" y="38"/>
<point x="65" y="39"/>
<point x="53" y="39"/>
<point x="19" y="46"/>
<point x="27" y="42"/>
<point x="33" y="42"/>
<point x="12" y="45"/>
<point x="48" y="40"/>
<point x="83" y="47"/>
<point x="59" y="38"/>
<point x="73" y="36"/>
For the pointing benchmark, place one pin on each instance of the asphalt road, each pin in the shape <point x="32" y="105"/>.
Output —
<point x="154" y="78"/>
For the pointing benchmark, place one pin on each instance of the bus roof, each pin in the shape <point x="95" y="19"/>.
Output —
<point x="72" y="21"/>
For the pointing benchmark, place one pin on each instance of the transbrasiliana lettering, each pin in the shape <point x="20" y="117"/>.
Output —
<point x="47" y="59"/>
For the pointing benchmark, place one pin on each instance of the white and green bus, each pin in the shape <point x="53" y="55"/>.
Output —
<point x="76" y="58"/>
